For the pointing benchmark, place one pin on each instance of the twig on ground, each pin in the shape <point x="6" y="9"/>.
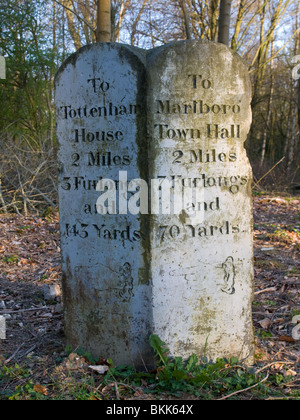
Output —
<point x="274" y="363"/>
<point x="243" y="390"/>
<point x="14" y="354"/>
<point x="8" y="312"/>
<point x="269" y="289"/>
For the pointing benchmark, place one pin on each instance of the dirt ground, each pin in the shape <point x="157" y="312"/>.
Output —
<point x="30" y="259"/>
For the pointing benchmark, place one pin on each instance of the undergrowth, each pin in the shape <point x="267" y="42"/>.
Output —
<point x="200" y="378"/>
<point x="173" y="378"/>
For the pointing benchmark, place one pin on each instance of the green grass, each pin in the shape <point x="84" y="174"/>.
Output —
<point x="12" y="259"/>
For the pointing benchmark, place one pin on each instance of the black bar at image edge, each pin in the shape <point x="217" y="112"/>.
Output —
<point x="141" y="408"/>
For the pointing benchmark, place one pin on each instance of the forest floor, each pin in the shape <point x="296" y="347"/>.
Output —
<point x="34" y="361"/>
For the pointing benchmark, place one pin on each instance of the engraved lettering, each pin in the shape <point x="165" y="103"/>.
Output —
<point x="164" y="131"/>
<point x="75" y="158"/>
<point x="169" y="233"/>
<point x="107" y="159"/>
<point x="99" y="85"/>
<point x="84" y="136"/>
<point x="126" y="234"/>
<point x="110" y="110"/>
<point x="198" y="81"/>
<point x="178" y="155"/>
<point x="195" y="107"/>
<point x="217" y="131"/>
<point x="203" y="156"/>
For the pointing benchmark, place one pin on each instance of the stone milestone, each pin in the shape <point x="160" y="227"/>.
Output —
<point x="101" y="126"/>
<point x="199" y="115"/>
<point x="155" y="201"/>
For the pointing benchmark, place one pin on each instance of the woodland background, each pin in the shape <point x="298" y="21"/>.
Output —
<point x="36" y="36"/>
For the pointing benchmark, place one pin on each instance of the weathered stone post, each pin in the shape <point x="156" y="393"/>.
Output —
<point x="101" y="127"/>
<point x="155" y="201"/>
<point x="199" y="115"/>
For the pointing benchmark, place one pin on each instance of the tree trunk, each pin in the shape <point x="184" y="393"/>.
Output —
<point x="224" y="21"/>
<point x="186" y="19"/>
<point x="295" y="125"/>
<point x="103" y="33"/>
<point x="136" y="22"/>
<point x="238" y="24"/>
<point x="269" y="112"/>
<point x="297" y="51"/>
<point x="213" y="20"/>
<point x="123" y="9"/>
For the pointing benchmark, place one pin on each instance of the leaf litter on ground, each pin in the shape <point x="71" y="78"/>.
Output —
<point x="35" y="363"/>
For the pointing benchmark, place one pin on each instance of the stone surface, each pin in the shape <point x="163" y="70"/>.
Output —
<point x="199" y="114"/>
<point x="101" y="127"/>
<point x="174" y="119"/>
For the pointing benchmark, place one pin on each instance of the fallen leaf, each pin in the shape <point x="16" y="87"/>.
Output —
<point x="102" y="361"/>
<point x="286" y="338"/>
<point x="290" y="372"/>
<point x="99" y="369"/>
<point x="40" y="389"/>
<point x="278" y="321"/>
<point x="107" y="388"/>
<point x="138" y="393"/>
<point x="265" y="323"/>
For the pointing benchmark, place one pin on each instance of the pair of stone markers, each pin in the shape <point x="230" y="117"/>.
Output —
<point x="155" y="201"/>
